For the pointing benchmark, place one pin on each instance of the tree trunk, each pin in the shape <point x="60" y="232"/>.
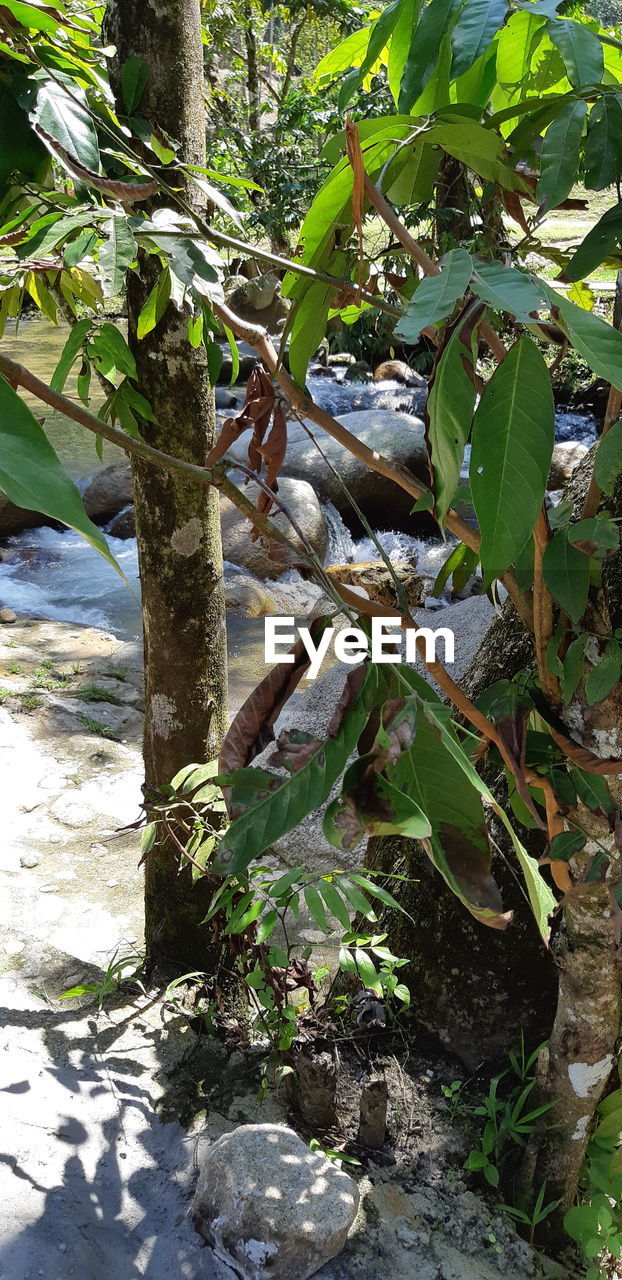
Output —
<point x="177" y="523"/>
<point x="252" y="72"/>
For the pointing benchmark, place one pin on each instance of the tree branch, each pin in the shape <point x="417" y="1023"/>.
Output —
<point x="543" y="613"/>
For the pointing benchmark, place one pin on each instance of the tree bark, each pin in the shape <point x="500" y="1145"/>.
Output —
<point x="177" y="523"/>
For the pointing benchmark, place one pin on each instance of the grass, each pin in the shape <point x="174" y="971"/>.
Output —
<point x="117" y="673"/>
<point x="28" y="702"/>
<point x="42" y="679"/>
<point x="95" y="693"/>
<point x="14" y="669"/>
<point x="4" y="694"/>
<point x="100" y="730"/>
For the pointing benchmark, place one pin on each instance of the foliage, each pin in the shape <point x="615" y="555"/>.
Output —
<point x="510" y="1119"/>
<point x="596" y="1221"/>
<point x="254" y="913"/>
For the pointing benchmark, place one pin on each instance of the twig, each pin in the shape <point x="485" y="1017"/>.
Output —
<point x="543" y="612"/>
<point x="420" y="257"/>
<point x="612" y="413"/>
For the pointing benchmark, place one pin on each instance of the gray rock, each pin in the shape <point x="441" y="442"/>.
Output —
<point x="123" y="525"/>
<point x="271" y="1208"/>
<point x="566" y="457"/>
<point x="15" y="519"/>
<point x="299" y="498"/>
<point x="398" y="436"/>
<point x="398" y="371"/>
<point x="7" y="616"/>
<point x="29" y="860"/>
<point x="109" y="492"/>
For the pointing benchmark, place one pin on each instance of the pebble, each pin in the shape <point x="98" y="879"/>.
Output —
<point x="98" y="850"/>
<point x="29" y="860"/>
<point x="7" y="615"/>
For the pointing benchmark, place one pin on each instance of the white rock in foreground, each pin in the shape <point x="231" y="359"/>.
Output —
<point x="271" y="1208"/>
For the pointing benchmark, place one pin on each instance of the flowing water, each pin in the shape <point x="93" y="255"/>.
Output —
<point x="56" y="575"/>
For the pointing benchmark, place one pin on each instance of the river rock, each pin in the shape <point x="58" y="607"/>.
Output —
<point x="566" y="457"/>
<point x="399" y="436"/>
<point x="108" y="493"/>
<point x="8" y="616"/>
<point x="299" y="498"/>
<point x="373" y="577"/>
<point x="270" y="1208"/>
<point x="398" y="371"/>
<point x="15" y="519"/>
<point x="123" y="525"/>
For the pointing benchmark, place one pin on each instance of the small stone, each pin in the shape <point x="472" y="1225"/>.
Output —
<point x="98" y="850"/>
<point x="29" y="860"/>
<point x="7" y="615"/>
<point x="270" y="1208"/>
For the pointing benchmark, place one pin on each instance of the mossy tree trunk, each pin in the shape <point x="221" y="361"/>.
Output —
<point x="177" y="523"/>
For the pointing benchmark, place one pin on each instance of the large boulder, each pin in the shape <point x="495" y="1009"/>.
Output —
<point x="270" y="1208"/>
<point x="300" y="500"/>
<point x="398" y="436"/>
<point x="108" y="492"/>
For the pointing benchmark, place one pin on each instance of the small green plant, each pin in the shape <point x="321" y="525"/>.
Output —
<point x="254" y="909"/>
<point x="14" y="669"/>
<point x="455" y="1103"/>
<point x="100" y="730"/>
<point x="47" y="664"/>
<point x="337" y="1157"/>
<point x="95" y="693"/>
<point x="42" y="679"/>
<point x="29" y="702"/>
<point x="117" y="673"/>
<point x="508" y="1120"/>
<point x="126" y="969"/>
<point x="596" y="1223"/>
<point x="538" y="1214"/>
<point x="4" y="694"/>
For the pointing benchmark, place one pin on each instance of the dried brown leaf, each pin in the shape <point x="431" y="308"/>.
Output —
<point x="124" y="192"/>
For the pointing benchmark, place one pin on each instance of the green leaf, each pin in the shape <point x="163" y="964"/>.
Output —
<point x="567" y="843"/>
<point x="477" y="147"/>
<point x="560" y="155"/>
<point x="605" y="676"/>
<point x="598" y="342"/>
<point x="379" y="36"/>
<point x="596" y="537"/>
<point x="316" y="908"/>
<point x="60" y="115"/>
<point x="366" y="971"/>
<point x="235" y="358"/>
<point x="356" y="898"/>
<point x="308" y="328"/>
<point x="43" y="18"/>
<point x="507" y="289"/>
<point x="581" y="51"/>
<point x="110" y="340"/>
<point x="513" y="438"/>
<point x="399" y="48"/>
<point x="32" y="476"/>
<point x="478" y="21"/>
<point x="573" y="666"/>
<point x="436" y="296"/>
<point x="71" y="350"/>
<point x="376" y="891"/>
<point x="567" y="574"/>
<point x="427" y="36"/>
<point x="334" y="901"/>
<point x="134" y="77"/>
<point x="282" y="803"/>
<point x="116" y="254"/>
<point x="608" y="460"/>
<point x="156" y="305"/>
<point x="598" y="244"/>
<point x="449" y="410"/>
<point x="603" y="152"/>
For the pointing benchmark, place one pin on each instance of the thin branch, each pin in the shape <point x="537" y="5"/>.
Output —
<point x="543" y="612"/>
<point x="612" y="413"/>
<point x="421" y="258"/>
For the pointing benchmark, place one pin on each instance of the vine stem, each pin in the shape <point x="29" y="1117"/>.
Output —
<point x="543" y="612"/>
